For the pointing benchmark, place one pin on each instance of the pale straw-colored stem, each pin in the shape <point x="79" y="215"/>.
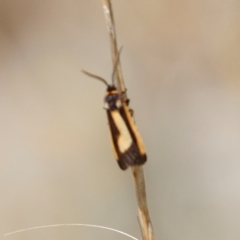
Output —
<point x="137" y="171"/>
<point x="107" y="9"/>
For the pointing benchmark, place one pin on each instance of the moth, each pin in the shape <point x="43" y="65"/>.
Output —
<point x="127" y="143"/>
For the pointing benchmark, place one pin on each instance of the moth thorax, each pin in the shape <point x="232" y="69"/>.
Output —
<point x="112" y="101"/>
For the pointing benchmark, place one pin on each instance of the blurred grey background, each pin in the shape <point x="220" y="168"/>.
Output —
<point x="181" y="64"/>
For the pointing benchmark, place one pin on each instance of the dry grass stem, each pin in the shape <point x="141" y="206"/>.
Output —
<point x="107" y="8"/>
<point x="138" y="174"/>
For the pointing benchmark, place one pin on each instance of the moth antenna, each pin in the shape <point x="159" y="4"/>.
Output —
<point x="116" y="64"/>
<point x="95" y="76"/>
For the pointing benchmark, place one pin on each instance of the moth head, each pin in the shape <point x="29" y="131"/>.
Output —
<point x="112" y="99"/>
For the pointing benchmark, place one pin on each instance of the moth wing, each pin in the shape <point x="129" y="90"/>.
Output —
<point x="127" y="115"/>
<point x="124" y="148"/>
<point x="130" y="157"/>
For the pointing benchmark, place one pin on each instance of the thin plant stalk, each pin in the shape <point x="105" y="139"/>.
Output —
<point x="137" y="171"/>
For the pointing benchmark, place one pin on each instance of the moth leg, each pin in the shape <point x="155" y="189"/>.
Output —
<point x="131" y="112"/>
<point x="127" y="101"/>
